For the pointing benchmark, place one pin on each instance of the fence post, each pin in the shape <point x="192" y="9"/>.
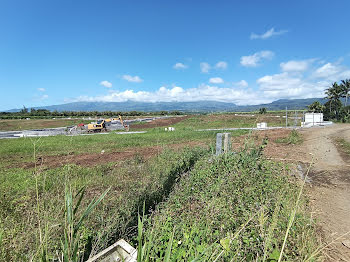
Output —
<point x="223" y="143"/>
<point x="227" y="143"/>
<point x="218" y="144"/>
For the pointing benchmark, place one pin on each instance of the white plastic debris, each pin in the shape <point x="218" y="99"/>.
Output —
<point x="120" y="251"/>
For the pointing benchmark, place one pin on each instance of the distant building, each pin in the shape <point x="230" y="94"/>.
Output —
<point x="314" y="119"/>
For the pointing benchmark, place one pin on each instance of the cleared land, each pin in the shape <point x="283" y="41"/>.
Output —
<point x="22" y="124"/>
<point x="250" y="198"/>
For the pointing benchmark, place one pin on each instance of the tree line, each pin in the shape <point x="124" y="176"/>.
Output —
<point x="336" y="107"/>
<point x="44" y="113"/>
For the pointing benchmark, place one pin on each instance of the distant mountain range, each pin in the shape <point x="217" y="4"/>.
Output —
<point x="199" y="106"/>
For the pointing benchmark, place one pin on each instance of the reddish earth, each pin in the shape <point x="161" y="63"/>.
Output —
<point x="159" y="122"/>
<point x="105" y="157"/>
<point x="273" y="150"/>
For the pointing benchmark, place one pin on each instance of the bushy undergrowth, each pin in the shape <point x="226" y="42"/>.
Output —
<point x="32" y="203"/>
<point x="233" y="208"/>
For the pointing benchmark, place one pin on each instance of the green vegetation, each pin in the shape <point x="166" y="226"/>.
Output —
<point x="316" y="107"/>
<point x="44" y="113"/>
<point x="334" y="109"/>
<point x="233" y="207"/>
<point x="345" y="145"/>
<point x="237" y="207"/>
<point x="263" y="110"/>
<point x="15" y="151"/>
<point x="230" y="120"/>
<point x="293" y="138"/>
<point x="32" y="205"/>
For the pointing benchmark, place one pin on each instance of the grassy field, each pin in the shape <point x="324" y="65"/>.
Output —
<point x="228" y="120"/>
<point x="21" y="150"/>
<point x="204" y="199"/>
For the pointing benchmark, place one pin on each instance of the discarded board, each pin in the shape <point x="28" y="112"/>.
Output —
<point x="118" y="252"/>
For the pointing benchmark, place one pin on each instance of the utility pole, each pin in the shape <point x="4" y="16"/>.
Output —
<point x="286" y="117"/>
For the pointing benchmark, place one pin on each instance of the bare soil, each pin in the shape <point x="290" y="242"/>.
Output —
<point x="330" y="186"/>
<point x="91" y="160"/>
<point x="22" y="124"/>
<point x="159" y="122"/>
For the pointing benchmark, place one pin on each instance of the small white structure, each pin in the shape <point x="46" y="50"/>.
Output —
<point x="169" y="128"/>
<point x="261" y="125"/>
<point x="312" y="119"/>
<point x="118" y="252"/>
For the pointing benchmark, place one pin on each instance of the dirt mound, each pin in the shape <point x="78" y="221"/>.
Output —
<point x="159" y="122"/>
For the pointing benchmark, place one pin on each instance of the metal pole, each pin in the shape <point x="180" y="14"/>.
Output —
<point x="286" y="117"/>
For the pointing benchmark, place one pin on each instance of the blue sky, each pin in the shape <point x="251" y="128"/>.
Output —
<point x="245" y="52"/>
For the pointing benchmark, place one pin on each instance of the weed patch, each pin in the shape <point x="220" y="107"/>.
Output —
<point x="232" y="208"/>
<point x="293" y="138"/>
<point x="28" y="225"/>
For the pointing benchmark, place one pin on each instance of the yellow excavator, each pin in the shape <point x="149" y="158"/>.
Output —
<point x="101" y="125"/>
<point x="126" y="127"/>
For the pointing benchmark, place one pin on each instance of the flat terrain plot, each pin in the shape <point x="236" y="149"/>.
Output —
<point x="138" y="169"/>
<point x="23" y="124"/>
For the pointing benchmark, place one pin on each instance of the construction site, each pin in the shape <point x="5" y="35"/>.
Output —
<point x="147" y="160"/>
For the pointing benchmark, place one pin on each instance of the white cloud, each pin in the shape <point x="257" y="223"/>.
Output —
<point x="41" y="89"/>
<point x="255" y="59"/>
<point x="106" y="84"/>
<point x="296" y="65"/>
<point x="332" y="72"/>
<point x="134" y="79"/>
<point x="44" y="97"/>
<point x="221" y="65"/>
<point x="201" y="93"/>
<point x="242" y="83"/>
<point x="290" y="84"/>
<point x="216" y="80"/>
<point x="284" y="85"/>
<point x="180" y="66"/>
<point x="267" y="34"/>
<point x="205" y="67"/>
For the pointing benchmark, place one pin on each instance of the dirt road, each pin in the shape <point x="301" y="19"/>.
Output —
<point x="330" y="186"/>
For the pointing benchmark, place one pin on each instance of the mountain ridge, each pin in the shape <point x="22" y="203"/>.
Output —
<point x="196" y="106"/>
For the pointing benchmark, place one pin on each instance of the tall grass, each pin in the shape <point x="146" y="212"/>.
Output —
<point x="29" y="197"/>
<point x="238" y="207"/>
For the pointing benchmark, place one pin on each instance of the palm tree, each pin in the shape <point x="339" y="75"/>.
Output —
<point x="345" y="84"/>
<point x="316" y="107"/>
<point x="334" y="93"/>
